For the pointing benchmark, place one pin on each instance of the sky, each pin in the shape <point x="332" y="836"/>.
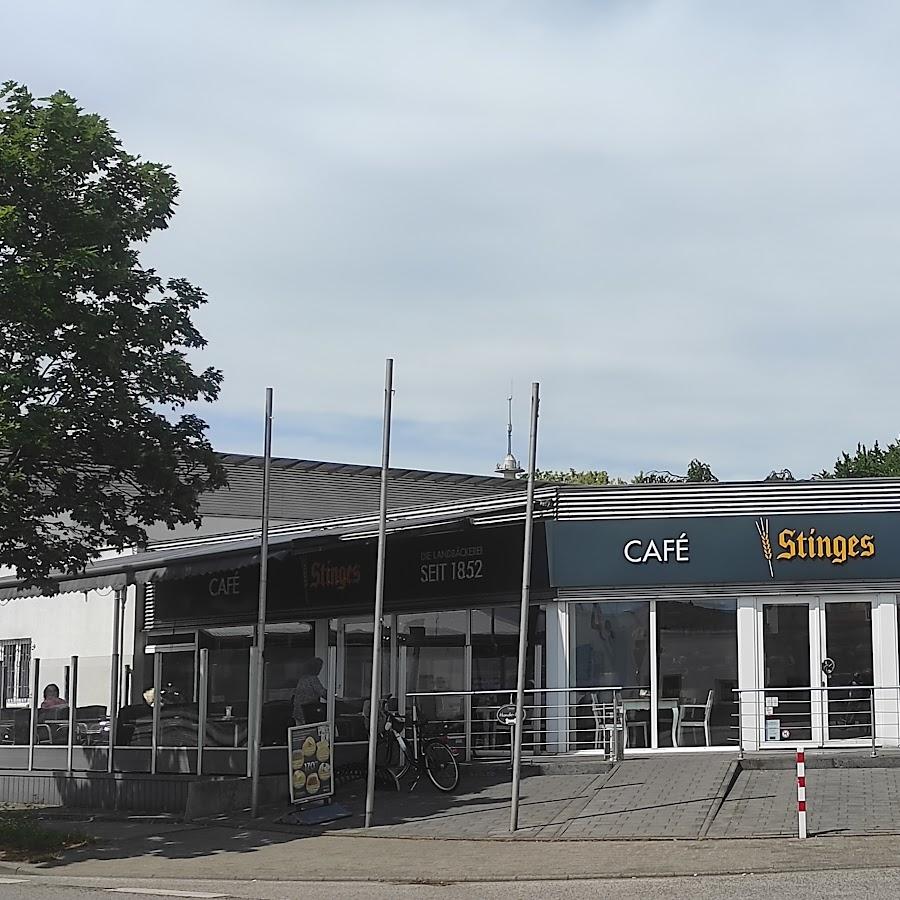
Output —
<point x="681" y="218"/>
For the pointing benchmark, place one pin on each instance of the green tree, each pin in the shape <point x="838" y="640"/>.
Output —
<point x="572" y="476"/>
<point x="95" y="442"/>
<point x="867" y="462"/>
<point x="699" y="471"/>
<point x="696" y="471"/>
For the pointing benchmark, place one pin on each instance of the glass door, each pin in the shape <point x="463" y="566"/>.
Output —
<point x="786" y="672"/>
<point x="847" y="663"/>
<point x="812" y="644"/>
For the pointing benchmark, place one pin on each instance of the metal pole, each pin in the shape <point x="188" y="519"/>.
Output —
<point x="332" y="681"/>
<point x="72" y="697"/>
<point x="523" y="612"/>
<point x="261" y="624"/>
<point x="872" y="709"/>
<point x="35" y="695"/>
<point x="157" y="704"/>
<point x="375" y="692"/>
<point x="114" y="677"/>
<point x="201" y="715"/>
<point x="120" y="675"/>
<point x="251" y="709"/>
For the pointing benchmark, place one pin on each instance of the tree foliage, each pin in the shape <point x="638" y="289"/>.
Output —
<point x="867" y="462"/>
<point x="572" y="476"/>
<point x="696" y="471"/>
<point x="95" y="442"/>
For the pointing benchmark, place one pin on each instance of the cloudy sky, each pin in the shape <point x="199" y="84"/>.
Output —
<point x="682" y="218"/>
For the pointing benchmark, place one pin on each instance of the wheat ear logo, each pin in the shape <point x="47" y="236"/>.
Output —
<point x="762" y="526"/>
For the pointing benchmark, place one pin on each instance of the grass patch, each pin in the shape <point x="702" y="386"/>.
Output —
<point x="22" y="837"/>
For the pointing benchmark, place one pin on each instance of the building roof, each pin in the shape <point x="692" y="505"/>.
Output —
<point x="562" y="502"/>
<point x="305" y="490"/>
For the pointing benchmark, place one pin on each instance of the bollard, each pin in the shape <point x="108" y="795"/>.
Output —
<point x="801" y="792"/>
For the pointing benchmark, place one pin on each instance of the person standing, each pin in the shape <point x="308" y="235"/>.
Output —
<point x="309" y="693"/>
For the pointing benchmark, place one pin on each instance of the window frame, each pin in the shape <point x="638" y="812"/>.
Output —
<point x="19" y="686"/>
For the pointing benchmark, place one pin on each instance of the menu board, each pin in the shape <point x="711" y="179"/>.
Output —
<point x="310" y="765"/>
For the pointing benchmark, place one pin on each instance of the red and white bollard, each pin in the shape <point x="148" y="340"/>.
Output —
<point x="801" y="792"/>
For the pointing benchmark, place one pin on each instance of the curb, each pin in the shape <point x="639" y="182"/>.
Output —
<point x="731" y="776"/>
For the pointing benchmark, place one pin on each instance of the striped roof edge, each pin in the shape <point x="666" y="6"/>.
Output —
<point x="337" y="468"/>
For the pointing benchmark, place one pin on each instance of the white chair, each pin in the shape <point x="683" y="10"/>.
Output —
<point x="691" y="720"/>
<point x="604" y="724"/>
<point x="637" y="724"/>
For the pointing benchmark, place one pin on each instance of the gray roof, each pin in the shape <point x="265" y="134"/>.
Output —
<point x="306" y="490"/>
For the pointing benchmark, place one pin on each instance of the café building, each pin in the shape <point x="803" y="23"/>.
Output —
<point x="724" y="615"/>
<point x="746" y="615"/>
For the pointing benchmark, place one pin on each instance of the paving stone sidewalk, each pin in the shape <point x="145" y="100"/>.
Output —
<point x="678" y="796"/>
<point x="839" y="801"/>
<point x="661" y="796"/>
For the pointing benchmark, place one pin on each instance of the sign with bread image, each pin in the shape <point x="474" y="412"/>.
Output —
<point x="310" y="765"/>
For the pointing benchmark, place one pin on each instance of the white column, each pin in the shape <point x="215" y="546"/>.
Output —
<point x="886" y="669"/>
<point x="750" y="718"/>
<point x="654" y="680"/>
<point x="557" y="676"/>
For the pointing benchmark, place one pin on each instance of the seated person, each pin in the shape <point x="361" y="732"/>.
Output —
<point x="52" y="700"/>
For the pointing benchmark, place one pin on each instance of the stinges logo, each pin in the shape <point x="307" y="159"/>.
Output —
<point x="794" y="544"/>
<point x="762" y="526"/>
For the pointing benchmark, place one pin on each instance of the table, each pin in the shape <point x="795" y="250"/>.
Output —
<point x="236" y="722"/>
<point x="644" y="703"/>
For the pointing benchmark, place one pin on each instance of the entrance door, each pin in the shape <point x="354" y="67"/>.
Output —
<point x="847" y="661"/>
<point x="812" y="644"/>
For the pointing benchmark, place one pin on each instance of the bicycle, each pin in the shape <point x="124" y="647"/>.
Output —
<point x="431" y="755"/>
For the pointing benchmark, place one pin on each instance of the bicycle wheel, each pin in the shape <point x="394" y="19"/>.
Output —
<point x="440" y="763"/>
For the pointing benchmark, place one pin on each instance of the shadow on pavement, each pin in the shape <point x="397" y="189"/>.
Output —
<point x="164" y="838"/>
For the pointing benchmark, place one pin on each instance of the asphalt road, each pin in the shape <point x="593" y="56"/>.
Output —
<point x="877" y="884"/>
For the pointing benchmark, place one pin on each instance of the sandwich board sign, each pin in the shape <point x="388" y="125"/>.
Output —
<point x="310" y="762"/>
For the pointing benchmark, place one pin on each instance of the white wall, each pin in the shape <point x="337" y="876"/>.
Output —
<point x="69" y="625"/>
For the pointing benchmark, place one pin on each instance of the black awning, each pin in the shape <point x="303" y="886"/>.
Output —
<point x="213" y="555"/>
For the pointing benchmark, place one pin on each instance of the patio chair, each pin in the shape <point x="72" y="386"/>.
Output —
<point x="689" y="717"/>
<point x="604" y="724"/>
<point x="638" y="725"/>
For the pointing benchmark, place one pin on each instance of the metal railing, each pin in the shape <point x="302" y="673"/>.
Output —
<point x="818" y="716"/>
<point x="557" y="720"/>
<point x="592" y="720"/>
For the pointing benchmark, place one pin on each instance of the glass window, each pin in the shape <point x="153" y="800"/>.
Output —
<point x="495" y="653"/>
<point x="697" y="656"/>
<point x="435" y="662"/>
<point x="178" y="706"/>
<point x="495" y="648"/>
<point x="286" y="652"/>
<point x="355" y="675"/>
<point x="612" y="645"/>
<point x="15" y="659"/>
<point x="612" y="649"/>
<point x="358" y="659"/>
